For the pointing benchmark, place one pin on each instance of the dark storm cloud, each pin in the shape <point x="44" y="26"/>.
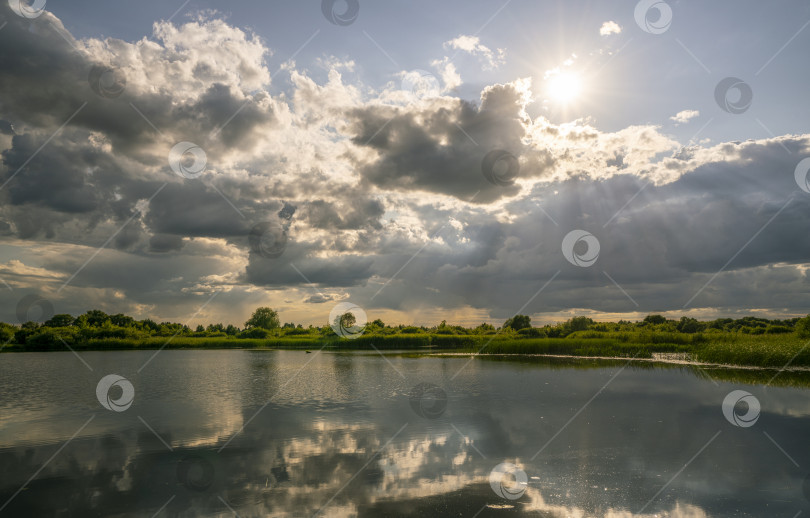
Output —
<point x="441" y="148"/>
<point x="42" y="76"/>
<point x="194" y="209"/>
<point x="318" y="298"/>
<point x="216" y="108"/>
<point x="162" y="243"/>
<point x="342" y="271"/>
<point x="58" y="180"/>
<point x="350" y="214"/>
<point x="45" y="82"/>
<point x="662" y="248"/>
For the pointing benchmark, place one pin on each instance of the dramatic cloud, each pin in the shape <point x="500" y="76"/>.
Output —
<point x="317" y="187"/>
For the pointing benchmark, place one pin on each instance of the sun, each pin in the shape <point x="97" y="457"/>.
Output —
<point x="564" y="87"/>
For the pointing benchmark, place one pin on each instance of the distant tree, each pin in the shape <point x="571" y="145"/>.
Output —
<point x="170" y="328"/>
<point x="122" y="320"/>
<point x="346" y="320"/>
<point x="96" y="317"/>
<point x="484" y="328"/>
<point x="200" y="329"/>
<point x="802" y="327"/>
<point x="518" y="322"/>
<point x="61" y="320"/>
<point x="231" y="330"/>
<point x="148" y="324"/>
<point x="21" y="334"/>
<point x="215" y="328"/>
<point x="655" y="319"/>
<point x="689" y="325"/>
<point x="580" y="323"/>
<point x="378" y="323"/>
<point x="264" y="318"/>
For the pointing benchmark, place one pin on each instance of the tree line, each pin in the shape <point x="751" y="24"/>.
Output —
<point x="265" y="323"/>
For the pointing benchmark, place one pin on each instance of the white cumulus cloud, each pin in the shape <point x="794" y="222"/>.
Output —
<point x="472" y="45"/>
<point x="610" y="27"/>
<point x="684" y="116"/>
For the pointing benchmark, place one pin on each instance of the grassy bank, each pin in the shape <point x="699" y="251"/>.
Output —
<point x="721" y="348"/>
<point x="762" y="351"/>
<point x="747" y="341"/>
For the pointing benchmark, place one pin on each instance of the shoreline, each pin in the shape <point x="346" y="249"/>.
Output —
<point x="665" y="361"/>
<point x="674" y="359"/>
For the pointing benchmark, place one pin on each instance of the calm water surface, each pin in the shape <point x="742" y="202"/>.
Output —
<point x="285" y="433"/>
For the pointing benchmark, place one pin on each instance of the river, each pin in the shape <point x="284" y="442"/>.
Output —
<point x="287" y="433"/>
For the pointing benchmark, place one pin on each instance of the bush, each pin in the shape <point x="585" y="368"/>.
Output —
<point x="296" y="331"/>
<point x="802" y="327"/>
<point x="518" y="322"/>
<point x="689" y="325"/>
<point x="256" y="332"/>
<point x="46" y="338"/>
<point x="655" y="319"/>
<point x="6" y="333"/>
<point x="532" y="332"/>
<point x="580" y="324"/>
<point x="454" y="341"/>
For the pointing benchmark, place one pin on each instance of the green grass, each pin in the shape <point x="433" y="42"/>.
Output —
<point x="721" y="348"/>
<point x="759" y="350"/>
<point x="581" y="347"/>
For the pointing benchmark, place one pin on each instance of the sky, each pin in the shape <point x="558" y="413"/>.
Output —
<point x="458" y="161"/>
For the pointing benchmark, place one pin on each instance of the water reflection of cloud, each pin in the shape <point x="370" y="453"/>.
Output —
<point x="309" y="440"/>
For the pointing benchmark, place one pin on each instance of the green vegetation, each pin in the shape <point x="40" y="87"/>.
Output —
<point x="747" y="341"/>
<point x="263" y="318"/>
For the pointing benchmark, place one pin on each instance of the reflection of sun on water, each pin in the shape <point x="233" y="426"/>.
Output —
<point x="564" y="87"/>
